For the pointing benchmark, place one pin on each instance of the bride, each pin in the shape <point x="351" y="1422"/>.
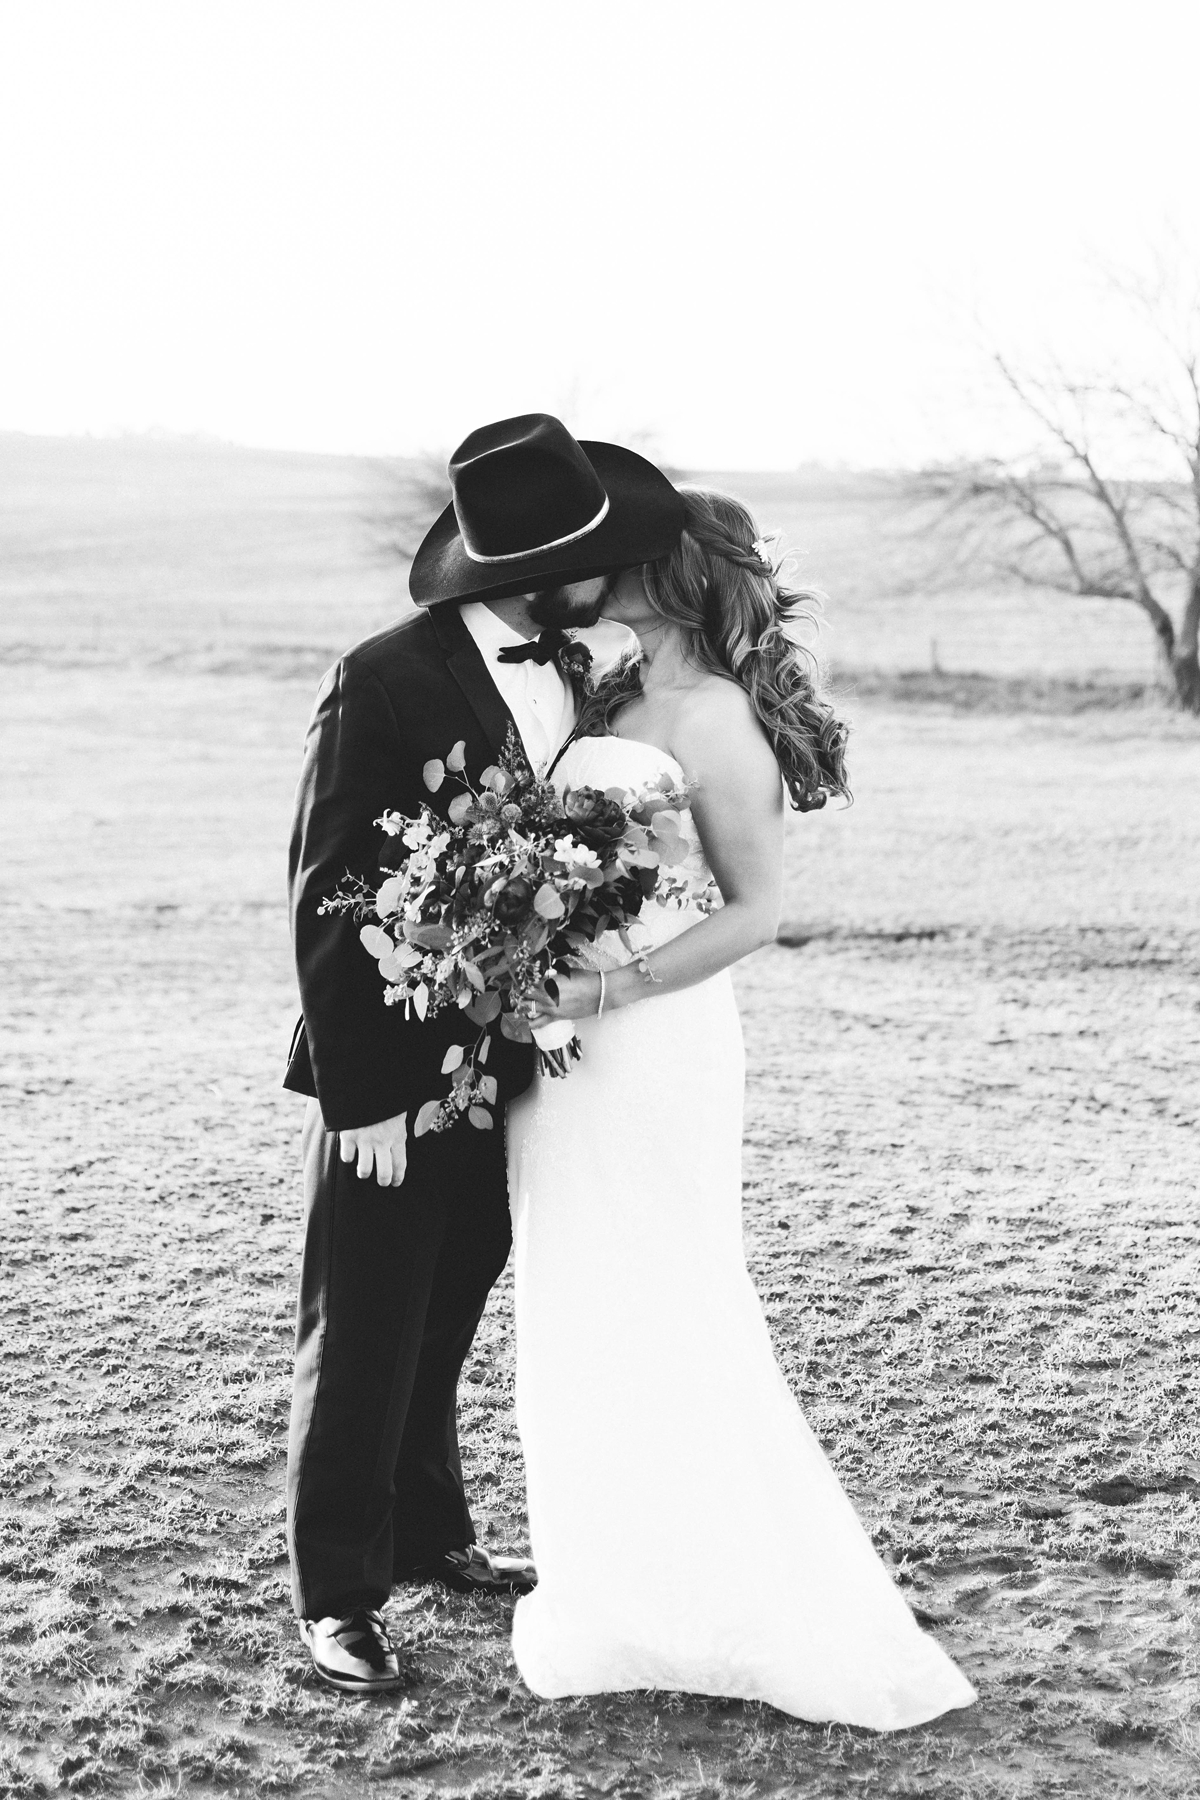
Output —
<point x="654" y="1419"/>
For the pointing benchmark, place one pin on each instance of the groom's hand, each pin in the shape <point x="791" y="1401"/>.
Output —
<point x="381" y="1147"/>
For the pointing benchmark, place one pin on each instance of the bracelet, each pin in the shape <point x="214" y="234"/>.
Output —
<point x="600" y="1008"/>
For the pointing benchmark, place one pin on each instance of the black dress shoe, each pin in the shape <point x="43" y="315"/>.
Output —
<point x="354" y="1654"/>
<point x="476" y="1571"/>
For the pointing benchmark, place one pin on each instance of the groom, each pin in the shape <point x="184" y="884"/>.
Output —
<point x="404" y="1237"/>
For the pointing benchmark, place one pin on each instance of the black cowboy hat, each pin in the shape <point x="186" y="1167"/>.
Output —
<point x="533" y="508"/>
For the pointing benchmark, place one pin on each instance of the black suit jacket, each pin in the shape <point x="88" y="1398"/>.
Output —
<point x="390" y="705"/>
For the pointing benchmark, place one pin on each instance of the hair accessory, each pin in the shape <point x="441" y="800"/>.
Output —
<point x="600" y="1008"/>
<point x="765" y="548"/>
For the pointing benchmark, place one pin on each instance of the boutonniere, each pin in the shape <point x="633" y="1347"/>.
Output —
<point x="575" y="661"/>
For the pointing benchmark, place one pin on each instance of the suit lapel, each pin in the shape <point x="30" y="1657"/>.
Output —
<point x="464" y="662"/>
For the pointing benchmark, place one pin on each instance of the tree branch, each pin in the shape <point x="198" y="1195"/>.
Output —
<point x="1080" y="450"/>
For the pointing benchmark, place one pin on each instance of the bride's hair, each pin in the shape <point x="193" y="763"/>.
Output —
<point x="736" y="620"/>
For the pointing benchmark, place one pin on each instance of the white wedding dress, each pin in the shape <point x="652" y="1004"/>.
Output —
<point x="687" y="1528"/>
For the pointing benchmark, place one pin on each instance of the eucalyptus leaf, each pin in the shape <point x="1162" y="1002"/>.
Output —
<point x="387" y="900"/>
<point x="546" y="902"/>
<point x="430" y="937"/>
<point x="672" y="850"/>
<point x="484" y="1009"/>
<point x="426" y="1118"/>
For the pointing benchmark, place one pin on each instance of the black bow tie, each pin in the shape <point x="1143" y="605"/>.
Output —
<point x="543" y="649"/>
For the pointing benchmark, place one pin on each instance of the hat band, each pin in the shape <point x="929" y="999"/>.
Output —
<point x="536" y="549"/>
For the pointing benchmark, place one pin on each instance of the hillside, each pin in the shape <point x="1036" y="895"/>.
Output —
<point x="161" y="550"/>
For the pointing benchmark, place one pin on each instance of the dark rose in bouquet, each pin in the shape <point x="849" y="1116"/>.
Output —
<point x="514" y="902"/>
<point x="599" y="819"/>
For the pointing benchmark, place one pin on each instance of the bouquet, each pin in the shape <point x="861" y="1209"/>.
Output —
<point x="514" y="887"/>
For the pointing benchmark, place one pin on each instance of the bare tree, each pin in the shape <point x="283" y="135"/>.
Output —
<point x="409" y="495"/>
<point x="1106" y="504"/>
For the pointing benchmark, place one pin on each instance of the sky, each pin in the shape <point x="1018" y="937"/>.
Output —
<point x="746" y="234"/>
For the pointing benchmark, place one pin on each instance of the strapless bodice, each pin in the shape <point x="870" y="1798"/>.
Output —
<point x="635" y="766"/>
<point x="604" y="762"/>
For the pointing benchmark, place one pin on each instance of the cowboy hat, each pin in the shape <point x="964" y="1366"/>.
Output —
<point x="534" y="508"/>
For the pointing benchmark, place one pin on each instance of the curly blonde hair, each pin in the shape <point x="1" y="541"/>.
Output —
<point x="735" y="618"/>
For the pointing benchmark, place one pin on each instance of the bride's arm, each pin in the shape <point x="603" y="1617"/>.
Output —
<point x="738" y="808"/>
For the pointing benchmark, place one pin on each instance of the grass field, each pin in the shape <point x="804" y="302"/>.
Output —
<point x="974" y="1059"/>
<point x="192" y="555"/>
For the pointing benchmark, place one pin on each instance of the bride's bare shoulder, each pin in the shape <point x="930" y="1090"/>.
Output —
<point x="716" y="724"/>
<point x="718" y="705"/>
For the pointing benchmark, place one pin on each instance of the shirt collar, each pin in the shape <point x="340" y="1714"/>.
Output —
<point x="488" y="629"/>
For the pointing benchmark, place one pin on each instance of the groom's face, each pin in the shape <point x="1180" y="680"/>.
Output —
<point x="577" y="604"/>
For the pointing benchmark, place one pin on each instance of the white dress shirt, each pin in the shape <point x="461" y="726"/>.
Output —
<point x="540" y="701"/>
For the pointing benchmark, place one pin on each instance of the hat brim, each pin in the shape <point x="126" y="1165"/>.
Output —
<point x="644" y="519"/>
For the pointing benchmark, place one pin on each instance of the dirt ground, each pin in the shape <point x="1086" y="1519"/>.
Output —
<point x="970" y="1208"/>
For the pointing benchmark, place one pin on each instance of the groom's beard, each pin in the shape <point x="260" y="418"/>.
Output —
<point x="552" y="607"/>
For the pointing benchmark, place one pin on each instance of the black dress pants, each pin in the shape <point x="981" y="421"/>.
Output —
<point x="392" y="1286"/>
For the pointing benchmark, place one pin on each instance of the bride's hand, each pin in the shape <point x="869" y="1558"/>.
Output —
<point x="578" y="998"/>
